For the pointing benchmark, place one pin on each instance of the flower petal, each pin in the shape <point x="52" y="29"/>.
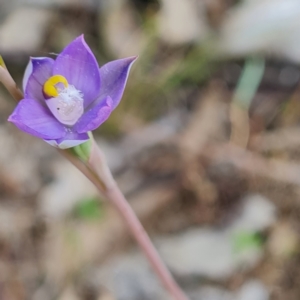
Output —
<point x="28" y="71"/>
<point x="78" y="64"/>
<point x="70" y="140"/>
<point x="95" y="116"/>
<point x="113" y="79"/>
<point x="38" y="70"/>
<point x="35" y="119"/>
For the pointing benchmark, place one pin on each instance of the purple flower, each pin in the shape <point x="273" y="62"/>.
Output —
<point x="66" y="98"/>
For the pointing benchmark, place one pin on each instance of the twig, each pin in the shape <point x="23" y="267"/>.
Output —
<point x="280" y="140"/>
<point x="10" y="84"/>
<point x="255" y="164"/>
<point x="205" y="124"/>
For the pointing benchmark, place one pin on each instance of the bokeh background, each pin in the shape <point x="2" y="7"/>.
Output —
<point x="205" y="146"/>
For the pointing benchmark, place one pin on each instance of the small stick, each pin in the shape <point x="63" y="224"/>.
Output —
<point x="9" y="83"/>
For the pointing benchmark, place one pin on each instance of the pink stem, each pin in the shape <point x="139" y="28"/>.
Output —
<point x="112" y="192"/>
<point x="137" y="230"/>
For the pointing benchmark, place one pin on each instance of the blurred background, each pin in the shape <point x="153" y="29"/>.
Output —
<point x="205" y="146"/>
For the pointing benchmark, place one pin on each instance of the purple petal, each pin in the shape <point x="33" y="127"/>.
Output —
<point x="35" y="119"/>
<point x="78" y="64"/>
<point x="72" y="139"/>
<point x="95" y="116"/>
<point x="113" y="79"/>
<point x="28" y="71"/>
<point x="38" y="70"/>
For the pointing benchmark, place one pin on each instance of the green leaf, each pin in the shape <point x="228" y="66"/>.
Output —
<point x="89" y="209"/>
<point x="249" y="82"/>
<point x="245" y="240"/>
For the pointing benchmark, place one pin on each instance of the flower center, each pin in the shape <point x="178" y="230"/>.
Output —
<point x="64" y="100"/>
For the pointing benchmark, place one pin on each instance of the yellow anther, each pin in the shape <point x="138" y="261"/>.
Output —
<point x="2" y="63"/>
<point x="50" y="88"/>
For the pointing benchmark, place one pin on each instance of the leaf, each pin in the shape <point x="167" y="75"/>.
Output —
<point x="89" y="209"/>
<point x="247" y="240"/>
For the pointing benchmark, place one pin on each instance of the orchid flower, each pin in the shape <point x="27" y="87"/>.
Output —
<point x="66" y="98"/>
<point x="63" y="101"/>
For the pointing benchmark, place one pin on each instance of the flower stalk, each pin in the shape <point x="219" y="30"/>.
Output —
<point x="98" y="172"/>
<point x="111" y="191"/>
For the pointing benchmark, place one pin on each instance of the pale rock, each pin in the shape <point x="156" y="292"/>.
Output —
<point x="181" y="22"/>
<point x="212" y="253"/>
<point x="69" y="187"/>
<point x="154" y="133"/>
<point x="250" y="290"/>
<point x="41" y="293"/>
<point x="207" y="253"/>
<point x="253" y="290"/>
<point x="129" y="277"/>
<point x="257" y="213"/>
<point x="266" y="26"/>
<point x="23" y="30"/>
<point x="113" y="154"/>
<point x="211" y="293"/>
<point x="106" y="296"/>
<point x="284" y="241"/>
<point x="68" y="294"/>
<point x="122" y="32"/>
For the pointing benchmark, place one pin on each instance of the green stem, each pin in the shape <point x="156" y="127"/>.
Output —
<point x="249" y="82"/>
